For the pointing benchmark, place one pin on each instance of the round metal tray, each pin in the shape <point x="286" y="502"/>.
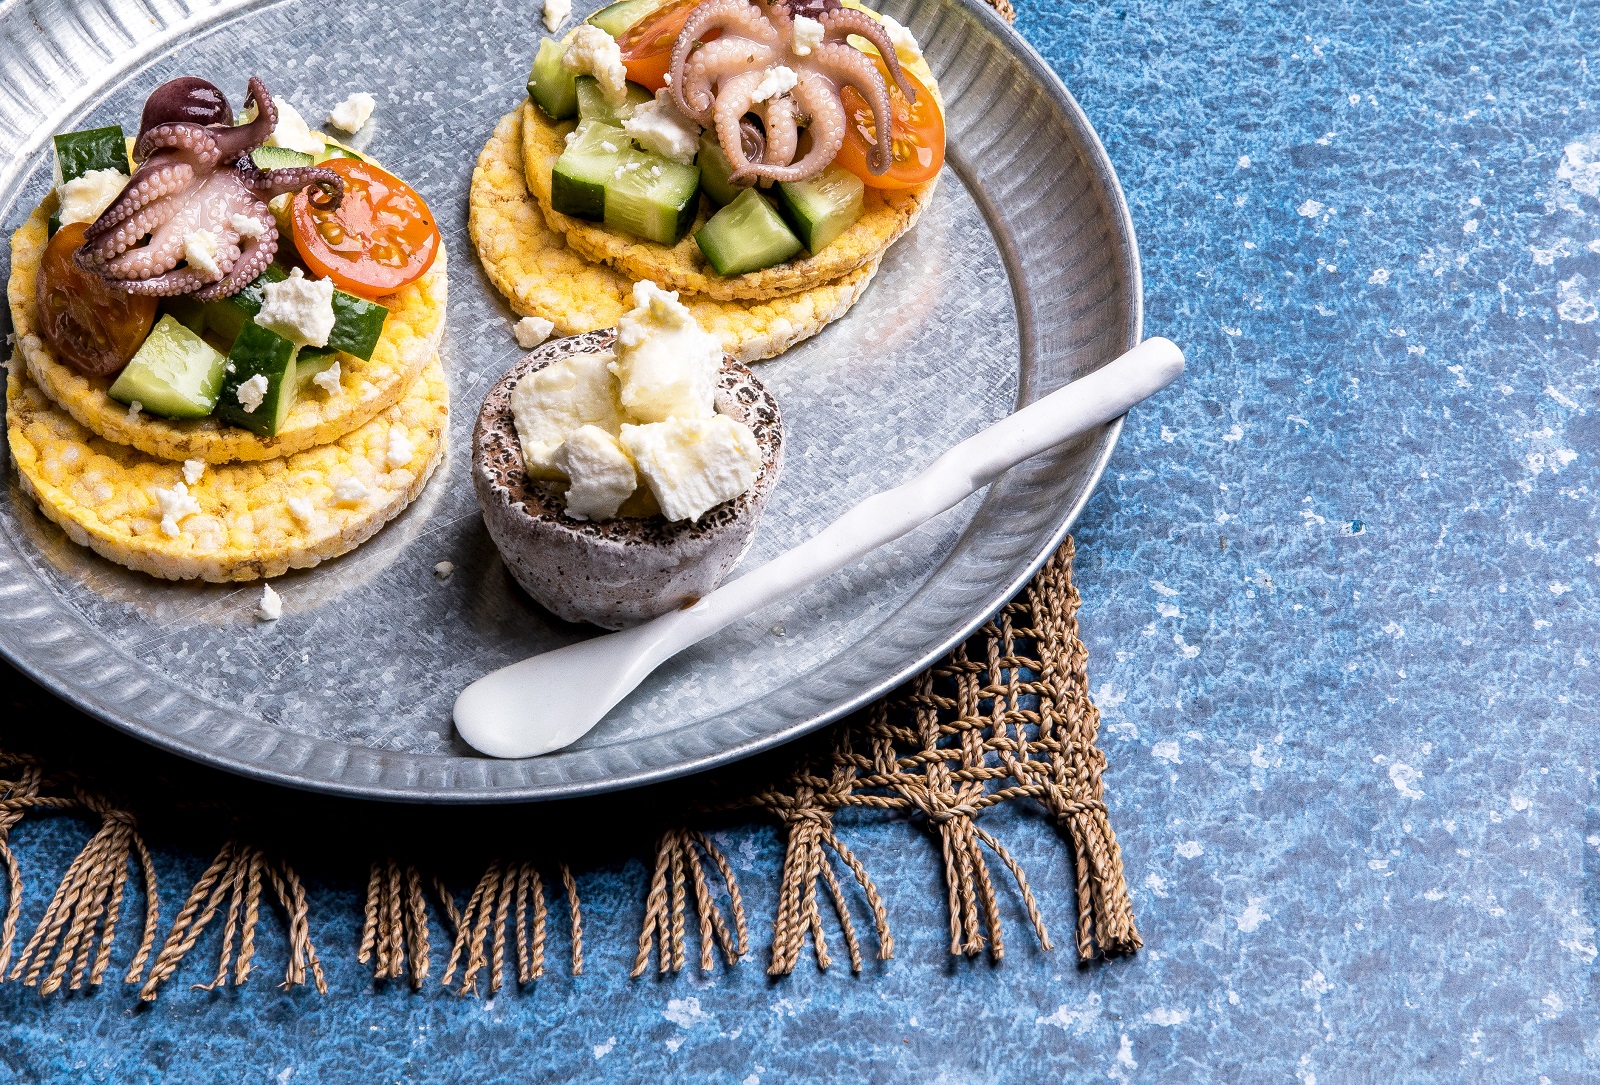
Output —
<point x="1021" y="276"/>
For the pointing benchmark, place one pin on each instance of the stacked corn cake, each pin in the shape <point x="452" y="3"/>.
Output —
<point x="205" y="500"/>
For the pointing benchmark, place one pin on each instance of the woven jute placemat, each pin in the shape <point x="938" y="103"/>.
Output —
<point x="1005" y="719"/>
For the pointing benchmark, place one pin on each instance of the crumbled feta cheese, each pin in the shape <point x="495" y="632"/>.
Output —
<point x="666" y="363"/>
<point x="175" y="505"/>
<point x="252" y="392"/>
<point x="328" y="379"/>
<point x="444" y="570"/>
<point x="601" y="472"/>
<point x="555" y="13"/>
<point x="531" y="331"/>
<point x="299" y="309"/>
<point x="293" y="132"/>
<point x="350" y="491"/>
<point x="608" y="147"/>
<point x="270" y="609"/>
<point x="591" y="51"/>
<point x="134" y="410"/>
<point x="400" y="450"/>
<point x="352" y="114"/>
<point x="247" y="225"/>
<point x="661" y="127"/>
<point x="192" y="470"/>
<point x="694" y="464"/>
<point x="300" y="509"/>
<point x="200" y="251"/>
<point x="905" y="44"/>
<point x="807" y="35"/>
<point x="776" y="81"/>
<point x="551" y="403"/>
<point x="84" y="198"/>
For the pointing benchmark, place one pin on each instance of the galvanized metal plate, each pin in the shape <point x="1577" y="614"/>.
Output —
<point x="1022" y="276"/>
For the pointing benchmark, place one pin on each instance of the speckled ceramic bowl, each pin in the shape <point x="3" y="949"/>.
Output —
<point x="626" y="570"/>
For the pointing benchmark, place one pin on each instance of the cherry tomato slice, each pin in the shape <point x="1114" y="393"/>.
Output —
<point x="90" y="324"/>
<point x="647" y="44"/>
<point x="381" y="238"/>
<point x="917" y="135"/>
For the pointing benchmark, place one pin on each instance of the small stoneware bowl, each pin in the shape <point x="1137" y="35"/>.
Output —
<point x="626" y="570"/>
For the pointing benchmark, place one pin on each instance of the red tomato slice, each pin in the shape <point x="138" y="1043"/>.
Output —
<point x="90" y="325"/>
<point x="381" y="238"/>
<point x="917" y="136"/>
<point x="647" y="44"/>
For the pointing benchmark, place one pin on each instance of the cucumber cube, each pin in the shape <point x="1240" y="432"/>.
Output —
<point x="280" y="158"/>
<point x="714" y="171"/>
<point x="94" y="149"/>
<point x="225" y="316"/>
<point x="652" y="197"/>
<point x="175" y="373"/>
<point x="616" y="18"/>
<point x="592" y="105"/>
<point x="357" y="324"/>
<point x="550" y="85"/>
<point x="747" y="235"/>
<point x="259" y="352"/>
<point x="822" y="208"/>
<point x="578" y="181"/>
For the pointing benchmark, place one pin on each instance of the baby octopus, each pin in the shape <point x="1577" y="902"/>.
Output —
<point x="757" y="66"/>
<point x="195" y="174"/>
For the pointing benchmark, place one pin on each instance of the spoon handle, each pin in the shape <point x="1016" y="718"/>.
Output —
<point x="1059" y="417"/>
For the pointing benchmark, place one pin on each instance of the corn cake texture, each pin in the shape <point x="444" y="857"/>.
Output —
<point x="410" y="335"/>
<point x="886" y="216"/>
<point x="256" y="519"/>
<point x="536" y="271"/>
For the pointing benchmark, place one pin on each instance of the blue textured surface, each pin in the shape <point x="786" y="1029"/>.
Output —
<point x="1341" y="613"/>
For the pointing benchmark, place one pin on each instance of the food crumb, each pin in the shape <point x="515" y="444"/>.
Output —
<point x="444" y="570"/>
<point x="270" y="609"/>
<point x="531" y="331"/>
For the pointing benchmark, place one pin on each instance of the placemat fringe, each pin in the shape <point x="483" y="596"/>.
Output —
<point x="678" y="860"/>
<point x="480" y="930"/>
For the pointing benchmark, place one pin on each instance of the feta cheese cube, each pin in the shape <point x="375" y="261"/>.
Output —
<point x="601" y="472"/>
<point x="548" y="405"/>
<point x="400" y="449"/>
<point x="328" y="379"/>
<point x="252" y="392"/>
<point x="807" y="35"/>
<point x="350" y="491"/>
<point x="694" y="464"/>
<point x="591" y="51"/>
<point x="531" y="331"/>
<point x="555" y="13"/>
<point x="777" y="81"/>
<point x="200" y="252"/>
<point x="905" y="44"/>
<point x="247" y="225"/>
<point x="84" y="198"/>
<point x="444" y="570"/>
<point x="175" y="504"/>
<point x="192" y="470"/>
<point x="661" y="127"/>
<point x="299" y="309"/>
<point x="293" y="132"/>
<point x="270" y="609"/>
<point x="352" y="114"/>
<point x="666" y="364"/>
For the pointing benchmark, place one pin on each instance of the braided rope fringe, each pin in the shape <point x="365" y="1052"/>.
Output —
<point x="480" y="929"/>
<point x="396" y="923"/>
<point x="237" y="874"/>
<point x="679" y="861"/>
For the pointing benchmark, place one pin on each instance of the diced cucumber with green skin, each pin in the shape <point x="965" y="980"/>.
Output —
<point x="311" y="361"/>
<point x="225" y="316"/>
<point x="578" y="181"/>
<point x="592" y="104"/>
<point x="175" y="373"/>
<point x="259" y="351"/>
<point x="616" y="18"/>
<point x="94" y="149"/>
<point x="714" y="171"/>
<point x="186" y="311"/>
<point x="747" y="235"/>
<point x="652" y="197"/>
<point x="821" y="209"/>
<point x="280" y="158"/>
<point x="332" y="148"/>
<point x="357" y="325"/>
<point x="550" y="85"/>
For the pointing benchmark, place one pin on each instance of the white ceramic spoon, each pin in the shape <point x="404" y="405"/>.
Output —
<point x="552" y="700"/>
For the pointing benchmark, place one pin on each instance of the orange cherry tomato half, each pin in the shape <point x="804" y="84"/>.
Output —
<point x="381" y="238"/>
<point x="917" y="138"/>
<point x="90" y="324"/>
<point x="647" y="44"/>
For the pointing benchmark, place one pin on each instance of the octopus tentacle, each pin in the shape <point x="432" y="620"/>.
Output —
<point x="734" y="100"/>
<point x="254" y="255"/>
<point x="840" y="24"/>
<point x="237" y="142"/>
<point x="782" y="127"/>
<point x="168" y="284"/>
<point x="752" y="140"/>
<point x="739" y="17"/>
<point x="269" y="183"/>
<point x="184" y="138"/>
<point x="817" y="98"/>
<point x="135" y="211"/>
<point x="710" y="65"/>
<point x="853" y="68"/>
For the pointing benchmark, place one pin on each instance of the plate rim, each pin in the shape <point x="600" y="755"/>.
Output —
<point x="326" y="780"/>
